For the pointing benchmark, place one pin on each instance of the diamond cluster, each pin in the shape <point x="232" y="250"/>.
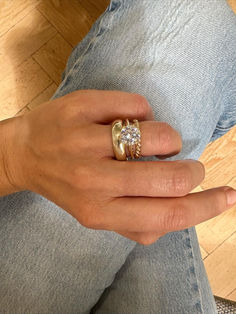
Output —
<point x="130" y="135"/>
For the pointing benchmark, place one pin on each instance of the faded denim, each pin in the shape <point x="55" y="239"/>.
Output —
<point x="181" y="55"/>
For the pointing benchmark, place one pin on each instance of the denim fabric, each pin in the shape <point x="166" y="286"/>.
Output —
<point x="180" y="55"/>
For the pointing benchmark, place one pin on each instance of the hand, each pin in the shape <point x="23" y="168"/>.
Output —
<point x="63" y="151"/>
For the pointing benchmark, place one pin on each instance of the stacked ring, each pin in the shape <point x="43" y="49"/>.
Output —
<point x="126" y="139"/>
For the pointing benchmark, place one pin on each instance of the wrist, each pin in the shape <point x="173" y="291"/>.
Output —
<point x="9" y="182"/>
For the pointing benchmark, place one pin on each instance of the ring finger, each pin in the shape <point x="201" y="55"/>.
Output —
<point x="157" y="138"/>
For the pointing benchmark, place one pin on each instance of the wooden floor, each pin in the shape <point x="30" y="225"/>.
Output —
<point x="36" y="38"/>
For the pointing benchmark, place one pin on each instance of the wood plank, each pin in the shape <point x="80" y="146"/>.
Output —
<point x="232" y="295"/>
<point x="25" y="38"/>
<point x="203" y="252"/>
<point x="43" y="97"/>
<point x="221" y="172"/>
<point x="11" y="12"/>
<point x="216" y="150"/>
<point x="72" y="21"/>
<point x="17" y="90"/>
<point x="53" y="56"/>
<point x="94" y="7"/>
<point x="220" y="268"/>
<point x="232" y="182"/>
<point x="197" y="189"/>
<point x="22" y="112"/>
<point x="232" y="3"/>
<point x="213" y="232"/>
<point x="219" y="160"/>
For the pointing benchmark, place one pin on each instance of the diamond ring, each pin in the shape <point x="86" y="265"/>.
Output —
<point x="126" y="139"/>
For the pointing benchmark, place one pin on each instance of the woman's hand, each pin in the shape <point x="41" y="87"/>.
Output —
<point x="63" y="151"/>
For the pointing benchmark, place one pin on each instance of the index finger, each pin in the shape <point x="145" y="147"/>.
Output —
<point x="146" y="214"/>
<point x="104" y="106"/>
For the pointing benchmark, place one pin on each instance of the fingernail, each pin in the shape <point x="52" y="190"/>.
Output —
<point x="231" y="196"/>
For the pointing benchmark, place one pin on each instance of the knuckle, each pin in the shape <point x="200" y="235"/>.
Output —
<point x="175" y="218"/>
<point x="91" y="217"/>
<point x="69" y="110"/>
<point x="142" y="105"/>
<point x="63" y="114"/>
<point x="147" y="239"/>
<point x="220" y="202"/>
<point x="164" y="137"/>
<point x="65" y="110"/>
<point x="202" y="170"/>
<point x="181" y="182"/>
<point x="84" y="221"/>
<point x="179" y="142"/>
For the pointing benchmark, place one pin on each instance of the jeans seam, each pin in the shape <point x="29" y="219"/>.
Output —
<point x="193" y="273"/>
<point x="98" y="32"/>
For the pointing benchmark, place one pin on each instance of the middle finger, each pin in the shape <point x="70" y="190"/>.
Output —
<point x="152" y="178"/>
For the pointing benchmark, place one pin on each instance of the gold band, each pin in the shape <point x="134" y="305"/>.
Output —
<point x="138" y="145"/>
<point x="126" y="139"/>
<point x="118" y="146"/>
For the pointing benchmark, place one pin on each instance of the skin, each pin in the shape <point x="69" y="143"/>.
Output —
<point x="63" y="151"/>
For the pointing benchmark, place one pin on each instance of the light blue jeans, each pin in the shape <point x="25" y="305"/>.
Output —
<point x="181" y="55"/>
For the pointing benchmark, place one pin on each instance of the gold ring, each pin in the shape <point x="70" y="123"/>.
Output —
<point x="126" y="139"/>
